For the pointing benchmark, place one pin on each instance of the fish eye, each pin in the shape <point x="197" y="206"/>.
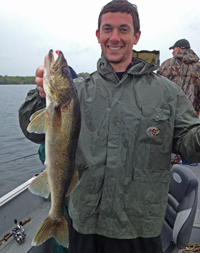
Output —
<point x="65" y="71"/>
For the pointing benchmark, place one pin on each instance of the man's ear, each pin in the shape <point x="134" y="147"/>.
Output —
<point x="98" y="35"/>
<point x="136" y="37"/>
<point x="178" y="50"/>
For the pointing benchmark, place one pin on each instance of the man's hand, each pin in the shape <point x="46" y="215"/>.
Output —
<point x="39" y="81"/>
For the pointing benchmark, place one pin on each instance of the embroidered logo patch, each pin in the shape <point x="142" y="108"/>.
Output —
<point x="153" y="131"/>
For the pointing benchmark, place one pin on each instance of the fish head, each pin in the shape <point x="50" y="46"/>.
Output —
<point x="57" y="80"/>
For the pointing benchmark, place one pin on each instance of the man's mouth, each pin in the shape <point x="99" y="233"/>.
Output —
<point x="114" y="48"/>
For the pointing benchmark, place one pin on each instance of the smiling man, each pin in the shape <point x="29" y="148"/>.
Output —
<point x="132" y="120"/>
<point x="117" y="36"/>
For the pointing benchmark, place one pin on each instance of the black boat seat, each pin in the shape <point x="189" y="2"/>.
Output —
<point x="181" y="209"/>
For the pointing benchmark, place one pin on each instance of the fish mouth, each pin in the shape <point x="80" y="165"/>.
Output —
<point x="48" y="62"/>
<point x="52" y="65"/>
<point x="51" y="57"/>
<point x="56" y="75"/>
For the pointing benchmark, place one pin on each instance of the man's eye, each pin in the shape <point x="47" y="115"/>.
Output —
<point x="124" y="30"/>
<point x="107" y="29"/>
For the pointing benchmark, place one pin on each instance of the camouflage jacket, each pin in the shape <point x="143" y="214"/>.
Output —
<point x="184" y="70"/>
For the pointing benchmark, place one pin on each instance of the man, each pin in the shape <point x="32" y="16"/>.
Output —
<point x="184" y="70"/>
<point x="132" y="119"/>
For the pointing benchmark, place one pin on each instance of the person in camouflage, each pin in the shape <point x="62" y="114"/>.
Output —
<point x="184" y="69"/>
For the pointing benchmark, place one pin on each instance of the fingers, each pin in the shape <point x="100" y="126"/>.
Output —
<point x="39" y="81"/>
<point x="41" y="91"/>
<point x="39" y="71"/>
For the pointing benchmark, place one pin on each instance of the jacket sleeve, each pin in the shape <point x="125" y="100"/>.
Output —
<point x="33" y="103"/>
<point x="186" y="130"/>
<point x="162" y="70"/>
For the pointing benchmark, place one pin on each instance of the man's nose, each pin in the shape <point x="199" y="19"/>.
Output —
<point x="115" y="35"/>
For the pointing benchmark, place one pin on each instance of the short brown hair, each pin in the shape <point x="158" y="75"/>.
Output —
<point x="122" y="6"/>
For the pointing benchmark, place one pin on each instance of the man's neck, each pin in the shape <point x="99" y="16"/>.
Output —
<point x="121" y="73"/>
<point x="119" y="67"/>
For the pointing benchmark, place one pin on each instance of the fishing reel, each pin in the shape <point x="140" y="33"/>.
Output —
<point x="19" y="234"/>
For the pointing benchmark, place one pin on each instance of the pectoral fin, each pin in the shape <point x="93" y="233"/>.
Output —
<point x="39" y="122"/>
<point x="74" y="182"/>
<point x="37" y="113"/>
<point x="39" y="185"/>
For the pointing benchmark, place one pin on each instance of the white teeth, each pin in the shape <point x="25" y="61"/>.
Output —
<point x="114" y="48"/>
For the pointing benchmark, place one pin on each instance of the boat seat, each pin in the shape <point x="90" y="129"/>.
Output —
<point x="181" y="209"/>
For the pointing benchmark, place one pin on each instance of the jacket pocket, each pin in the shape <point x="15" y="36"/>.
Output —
<point x="154" y="126"/>
<point x="155" y="176"/>
<point x="147" y="189"/>
<point x="89" y="189"/>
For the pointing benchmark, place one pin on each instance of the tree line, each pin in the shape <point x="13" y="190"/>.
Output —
<point x="17" y="79"/>
<point x="26" y="79"/>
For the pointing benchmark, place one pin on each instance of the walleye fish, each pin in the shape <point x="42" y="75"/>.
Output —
<point x="60" y="121"/>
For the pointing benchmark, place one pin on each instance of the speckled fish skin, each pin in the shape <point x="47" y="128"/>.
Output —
<point x="61" y="123"/>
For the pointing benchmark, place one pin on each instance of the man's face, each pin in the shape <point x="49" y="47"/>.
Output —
<point x="176" y="50"/>
<point x="116" y="37"/>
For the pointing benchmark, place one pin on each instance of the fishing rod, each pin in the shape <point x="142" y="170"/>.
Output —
<point x="17" y="232"/>
<point x="24" y="157"/>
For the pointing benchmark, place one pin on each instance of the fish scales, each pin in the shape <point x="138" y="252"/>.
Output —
<point x="60" y="121"/>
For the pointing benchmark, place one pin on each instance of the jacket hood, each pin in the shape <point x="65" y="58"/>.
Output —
<point x="148" y="62"/>
<point x="187" y="56"/>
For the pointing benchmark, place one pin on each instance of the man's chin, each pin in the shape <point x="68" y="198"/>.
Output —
<point x="114" y="60"/>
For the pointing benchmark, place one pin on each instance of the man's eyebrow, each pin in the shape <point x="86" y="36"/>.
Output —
<point x="123" y="25"/>
<point x="106" y="25"/>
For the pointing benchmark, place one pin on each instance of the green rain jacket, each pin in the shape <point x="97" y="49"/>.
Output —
<point x="129" y="129"/>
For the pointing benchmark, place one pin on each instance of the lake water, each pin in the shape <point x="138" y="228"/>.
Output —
<point x="13" y="144"/>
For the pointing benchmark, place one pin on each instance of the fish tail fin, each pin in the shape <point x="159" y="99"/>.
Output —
<point x="53" y="228"/>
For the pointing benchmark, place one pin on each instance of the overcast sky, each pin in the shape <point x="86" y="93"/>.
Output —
<point x="28" y="29"/>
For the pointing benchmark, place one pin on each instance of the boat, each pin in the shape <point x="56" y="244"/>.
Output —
<point x="22" y="205"/>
